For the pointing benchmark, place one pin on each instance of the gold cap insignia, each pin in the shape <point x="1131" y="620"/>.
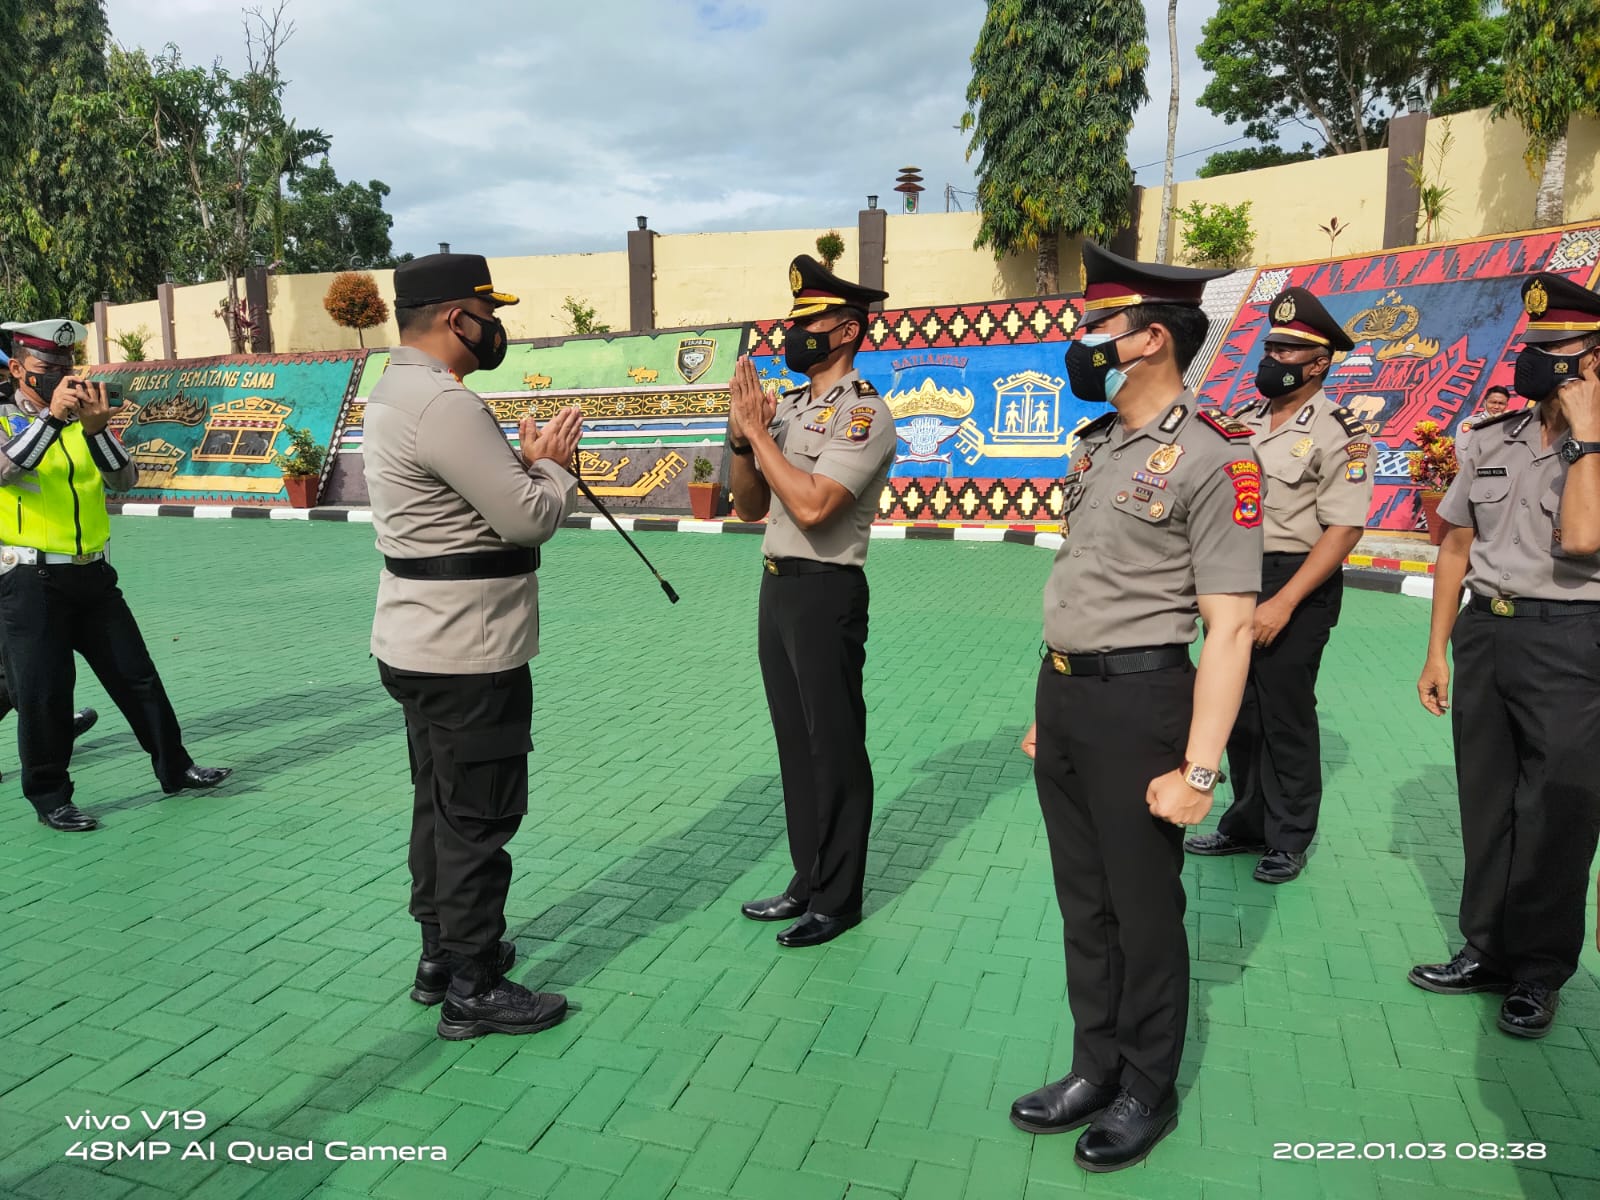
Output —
<point x="1537" y="301"/>
<point x="1285" y="310"/>
<point x="795" y="282"/>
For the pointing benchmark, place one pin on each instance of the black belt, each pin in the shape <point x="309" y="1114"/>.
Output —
<point x="1117" y="662"/>
<point x="1287" y="554"/>
<point x="1532" y="608"/>
<point x="493" y="564"/>
<point x="804" y="566"/>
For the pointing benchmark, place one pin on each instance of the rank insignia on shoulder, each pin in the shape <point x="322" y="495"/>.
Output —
<point x="1226" y="426"/>
<point x="1174" y="418"/>
<point x="1307" y="414"/>
<point x="1496" y="472"/>
<point x="861" y="422"/>
<point x="1352" y="424"/>
<point x="863" y="388"/>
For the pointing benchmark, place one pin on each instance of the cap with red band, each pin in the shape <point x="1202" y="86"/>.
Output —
<point x="1298" y="316"/>
<point x="49" y="341"/>
<point x="1112" y="283"/>
<point x="1558" y="309"/>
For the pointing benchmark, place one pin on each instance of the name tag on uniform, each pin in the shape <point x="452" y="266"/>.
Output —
<point x="1482" y="471"/>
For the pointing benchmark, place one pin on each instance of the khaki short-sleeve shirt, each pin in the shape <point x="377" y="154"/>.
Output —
<point x="1315" y="472"/>
<point x="1152" y="519"/>
<point x="1509" y="491"/>
<point x="848" y="435"/>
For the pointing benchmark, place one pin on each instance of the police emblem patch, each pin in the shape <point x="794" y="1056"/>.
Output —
<point x="1302" y="448"/>
<point x="1358" y="449"/>
<point x="1356" y="472"/>
<point x="1163" y="459"/>
<point x="695" y="356"/>
<point x="1245" y="476"/>
<point x="861" y="422"/>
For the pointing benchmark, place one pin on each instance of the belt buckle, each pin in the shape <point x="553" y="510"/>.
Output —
<point x="1061" y="663"/>
<point x="79" y="560"/>
<point x="1502" y="608"/>
<point x="772" y="566"/>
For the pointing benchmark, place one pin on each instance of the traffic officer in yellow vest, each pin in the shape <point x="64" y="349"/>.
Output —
<point x="459" y="517"/>
<point x="1162" y="524"/>
<point x="1317" y="494"/>
<point x="1524" y="513"/>
<point x="818" y="471"/>
<point x="58" y="592"/>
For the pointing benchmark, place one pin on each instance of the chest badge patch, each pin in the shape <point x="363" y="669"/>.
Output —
<point x="1163" y="459"/>
<point x="819" y="423"/>
<point x="1302" y="447"/>
<point x="1246" y="479"/>
<point x="1158" y="509"/>
<point x="861" y="422"/>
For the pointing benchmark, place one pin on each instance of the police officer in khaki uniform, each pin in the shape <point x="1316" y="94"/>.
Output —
<point x="814" y="463"/>
<point x="1318" y="492"/>
<point x="1525" y="538"/>
<point x="1162" y="524"/>
<point x="459" y="517"/>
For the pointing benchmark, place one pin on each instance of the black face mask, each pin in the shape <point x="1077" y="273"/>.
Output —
<point x="44" y="384"/>
<point x="1093" y="369"/>
<point x="1538" y="374"/>
<point x="804" y="349"/>
<point x="489" y="347"/>
<point x="1274" y="378"/>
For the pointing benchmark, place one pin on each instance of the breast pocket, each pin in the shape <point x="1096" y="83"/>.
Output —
<point x="1282" y="481"/>
<point x="1146" y="534"/>
<point x="805" y="444"/>
<point x="1489" y="504"/>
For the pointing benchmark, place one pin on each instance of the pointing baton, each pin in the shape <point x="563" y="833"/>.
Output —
<point x="606" y="513"/>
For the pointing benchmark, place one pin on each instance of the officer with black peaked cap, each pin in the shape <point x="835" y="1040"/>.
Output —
<point x="814" y="463"/>
<point x="1316" y="494"/>
<point x="1524" y="513"/>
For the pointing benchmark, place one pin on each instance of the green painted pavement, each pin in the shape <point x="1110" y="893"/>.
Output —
<point x="246" y="954"/>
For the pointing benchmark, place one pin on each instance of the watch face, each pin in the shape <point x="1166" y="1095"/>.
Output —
<point x="1569" y="451"/>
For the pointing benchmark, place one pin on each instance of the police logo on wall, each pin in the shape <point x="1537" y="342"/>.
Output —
<point x="694" y="357"/>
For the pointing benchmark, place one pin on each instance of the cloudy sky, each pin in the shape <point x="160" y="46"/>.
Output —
<point x="532" y="127"/>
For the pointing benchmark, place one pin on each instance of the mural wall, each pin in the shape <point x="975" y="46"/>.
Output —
<point x="1434" y="327"/>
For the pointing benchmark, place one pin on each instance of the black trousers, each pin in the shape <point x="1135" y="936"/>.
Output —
<point x="468" y="741"/>
<point x="1275" y="749"/>
<point x="812" y="643"/>
<point x="1118" y="868"/>
<point x="46" y="614"/>
<point x="1526" y="719"/>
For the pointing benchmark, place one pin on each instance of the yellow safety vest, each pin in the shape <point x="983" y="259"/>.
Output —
<point x="59" y="508"/>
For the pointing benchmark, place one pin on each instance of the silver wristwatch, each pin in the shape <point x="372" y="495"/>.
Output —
<point x="1202" y="779"/>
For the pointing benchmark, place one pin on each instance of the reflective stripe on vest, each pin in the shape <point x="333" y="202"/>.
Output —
<point x="61" y="507"/>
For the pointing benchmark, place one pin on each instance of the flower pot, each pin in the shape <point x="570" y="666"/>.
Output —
<point x="1430" y="511"/>
<point x="302" y="490"/>
<point x="705" y="500"/>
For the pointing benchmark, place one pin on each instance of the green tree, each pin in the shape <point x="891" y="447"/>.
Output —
<point x="284" y="155"/>
<point x="1217" y="235"/>
<point x="1343" y="67"/>
<point x="1550" y="78"/>
<point x="1055" y="85"/>
<point x="1251" y="158"/>
<point x="332" y="226"/>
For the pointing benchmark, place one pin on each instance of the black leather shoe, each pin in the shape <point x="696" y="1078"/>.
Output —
<point x="815" y="928"/>
<point x="1529" y="1010"/>
<point x="69" y="819"/>
<point x="1280" y="866"/>
<point x="1125" y="1133"/>
<point x="201" y="777"/>
<point x="1458" y="977"/>
<point x="433" y="973"/>
<point x="1061" y="1106"/>
<point x="774" y="908"/>
<point x="505" y="1008"/>
<point x="83" y="720"/>
<point x="1211" y="844"/>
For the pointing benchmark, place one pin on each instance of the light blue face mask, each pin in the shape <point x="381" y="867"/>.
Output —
<point x="1092" y="369"/>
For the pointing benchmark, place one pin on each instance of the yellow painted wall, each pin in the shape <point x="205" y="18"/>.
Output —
<point x="930" y="260"/>
<point x="125" y="318"/>
<point x="1287" y="204"/>
<point x="1494" y="191"/>
<point x="712" y="278"/>
<point x="542" y="283"/>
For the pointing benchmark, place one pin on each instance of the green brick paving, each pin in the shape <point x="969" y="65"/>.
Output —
<point x="246" y="954"/>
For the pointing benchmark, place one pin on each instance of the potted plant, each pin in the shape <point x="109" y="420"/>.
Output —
<point x="301" y="467"/>
<point x="703" y="494"/>
<point x="1433" y="465"/>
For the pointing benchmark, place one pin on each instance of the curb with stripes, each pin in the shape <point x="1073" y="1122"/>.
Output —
<point x="1357" y="572"/>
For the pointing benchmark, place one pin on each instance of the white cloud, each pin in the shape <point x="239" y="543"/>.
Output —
<point x="530" y="126"/>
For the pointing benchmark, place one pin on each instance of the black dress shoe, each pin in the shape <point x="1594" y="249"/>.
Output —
<point x="69" y="819"/>
<point x="83" y="720"/>
<point x="774" y="908"/>
<point x="433" y="974"/>
<point x="1529" y="1010"/>
<point x="505" y="1008"/>
<point x="1280" y="866"/>
<point x="1458" y="977"/>
<point x="815" y="928"/>
<point x="1125" y="1133"/>
<point x="1220" y="843"/>
<point x="1061" y="1106"/>
<point x="201" y="777"/>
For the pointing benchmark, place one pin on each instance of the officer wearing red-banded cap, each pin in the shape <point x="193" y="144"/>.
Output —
<point x="1162" y="525"/>
<point x="58" y="591"/>
<point x="1524" y="513"/>
<point x="814" y="463"/>
<point x="1316" y="495"/>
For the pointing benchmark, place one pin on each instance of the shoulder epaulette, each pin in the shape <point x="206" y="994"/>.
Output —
<point x="1099" y="424"/>
<point x="1485" y="422"/>
<point x="1352" y="424"/>
<point x="1229" y="428"/>
<point x="863" y="388"/>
